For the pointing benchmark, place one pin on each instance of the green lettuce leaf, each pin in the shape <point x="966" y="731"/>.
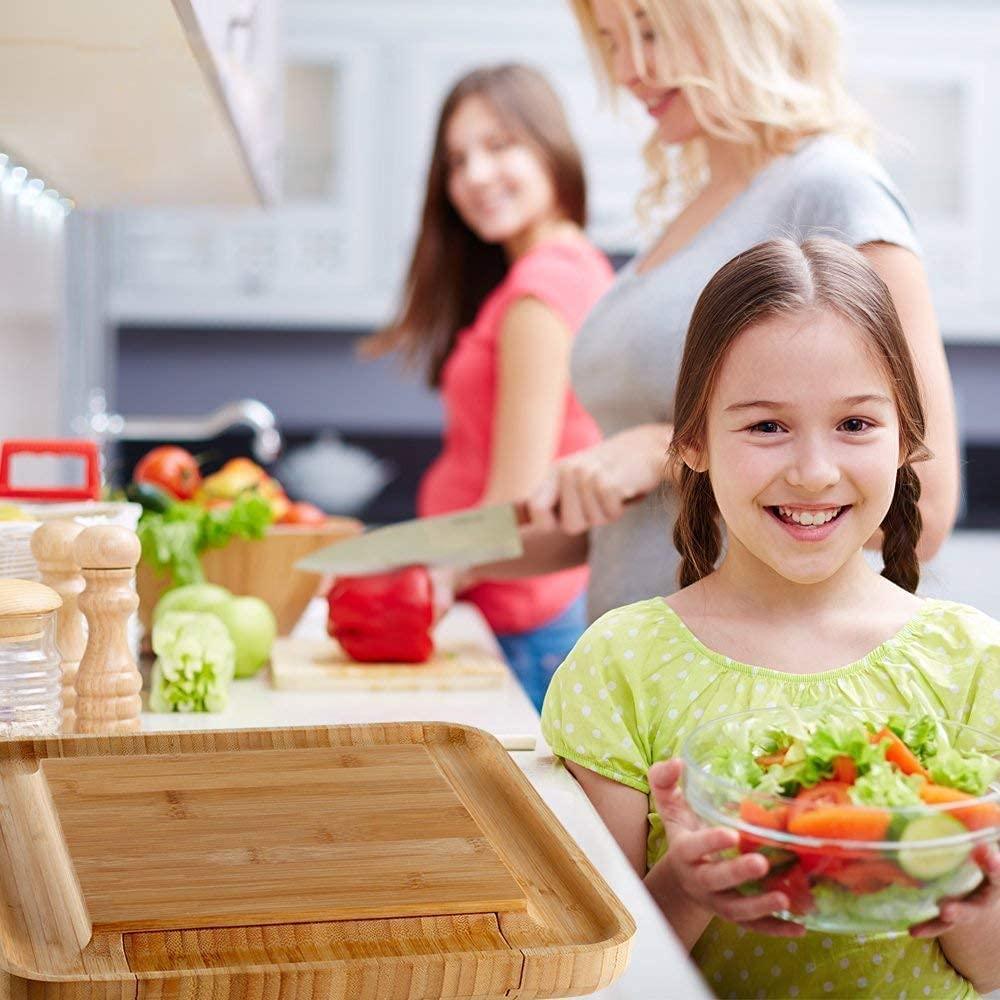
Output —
<point x="919" y="733"/>
<point x="967" y="770"/>
<point x="884" y="785"/>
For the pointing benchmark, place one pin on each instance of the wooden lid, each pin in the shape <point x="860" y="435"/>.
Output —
<point x="22" y="602"/>
<point x="107" y="546"/>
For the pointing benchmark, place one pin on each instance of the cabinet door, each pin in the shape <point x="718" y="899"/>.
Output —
<point x="929" y="78"/>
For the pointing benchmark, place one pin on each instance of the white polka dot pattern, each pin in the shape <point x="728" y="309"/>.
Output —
<point x="638" y="681"/>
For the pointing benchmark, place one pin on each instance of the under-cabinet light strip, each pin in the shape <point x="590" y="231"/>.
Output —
<point x="31" y="192"/>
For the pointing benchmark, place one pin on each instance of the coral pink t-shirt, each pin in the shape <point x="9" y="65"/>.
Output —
<point x="569" y="277"/>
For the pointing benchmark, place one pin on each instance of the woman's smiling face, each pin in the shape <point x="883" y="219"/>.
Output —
<point x="802" y="444"/>
<point x="635" y="56"/>
<point x="496" y="181"/>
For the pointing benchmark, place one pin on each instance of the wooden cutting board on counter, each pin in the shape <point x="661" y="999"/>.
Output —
<point x="465" y="656"/>
<point x="401" y="860"/>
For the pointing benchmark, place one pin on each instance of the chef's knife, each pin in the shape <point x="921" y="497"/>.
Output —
<point x="468" y="538"/>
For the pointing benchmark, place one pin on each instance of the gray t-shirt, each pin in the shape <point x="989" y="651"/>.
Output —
<point x="627" y="353"/>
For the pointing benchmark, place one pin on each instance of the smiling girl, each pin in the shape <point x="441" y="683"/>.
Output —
<point x="501" y="278"/>
<point x="799" y="425"/>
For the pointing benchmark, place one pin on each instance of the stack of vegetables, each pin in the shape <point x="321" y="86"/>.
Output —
<point x="184" y="513"/>
<point x="818" y="792"/>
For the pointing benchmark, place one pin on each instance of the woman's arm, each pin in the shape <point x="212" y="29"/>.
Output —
<point x="591" y="487"/>
<point x="904" y="274"/>
<point x="532" y="379"/>
<point x="544" y="552"/>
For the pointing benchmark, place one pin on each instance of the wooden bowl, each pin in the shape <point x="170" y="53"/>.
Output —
<point x="262" y="567"/>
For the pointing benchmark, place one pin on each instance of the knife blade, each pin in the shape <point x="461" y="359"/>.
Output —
<point x="466" y="538"/>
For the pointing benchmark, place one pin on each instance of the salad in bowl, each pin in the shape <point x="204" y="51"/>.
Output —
<point x="867" y="820"/>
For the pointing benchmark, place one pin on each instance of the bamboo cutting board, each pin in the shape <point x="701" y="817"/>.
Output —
<point x="401" y="861"/>
<point x="465" y="656"/>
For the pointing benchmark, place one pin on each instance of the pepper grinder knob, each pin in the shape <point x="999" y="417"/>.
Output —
<point x="52" y="546"/>
<point x="108" y="681"/>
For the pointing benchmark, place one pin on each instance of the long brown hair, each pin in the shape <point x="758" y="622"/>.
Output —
<point x="778" y="278"/>
<point x="452" y="270"/>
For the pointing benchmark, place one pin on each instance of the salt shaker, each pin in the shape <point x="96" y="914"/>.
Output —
<point x="30" y="677"/>
<point x="108" y="681"/>
<point x="52" y="547"/>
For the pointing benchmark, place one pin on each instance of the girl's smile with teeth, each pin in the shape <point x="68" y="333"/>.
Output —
<point x="808" y="516"/>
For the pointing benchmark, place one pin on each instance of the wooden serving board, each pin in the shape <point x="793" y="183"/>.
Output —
<point x="398" y="861"/>
<point x="465" y="656"/>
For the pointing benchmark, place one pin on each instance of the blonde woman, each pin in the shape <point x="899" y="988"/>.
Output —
<point x="753" y="132"/>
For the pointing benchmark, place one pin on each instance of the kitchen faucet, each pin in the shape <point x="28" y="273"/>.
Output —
<point x="244" y="412"/>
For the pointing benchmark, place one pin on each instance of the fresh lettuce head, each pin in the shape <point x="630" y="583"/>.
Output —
<point x="195" y="662"/>
<point x="967" y="770"/>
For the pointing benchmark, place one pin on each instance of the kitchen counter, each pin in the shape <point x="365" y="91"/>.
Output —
<point x="659" y="966"/>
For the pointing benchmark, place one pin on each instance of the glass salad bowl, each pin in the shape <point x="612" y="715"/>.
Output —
<point x="868" y="820"/>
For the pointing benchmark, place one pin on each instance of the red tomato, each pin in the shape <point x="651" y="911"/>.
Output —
<point x="794" y="883"/>
<point x="303" y="513"/>
<point x="172" y="469"/>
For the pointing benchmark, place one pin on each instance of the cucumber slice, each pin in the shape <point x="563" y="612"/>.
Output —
<point x="931" y="863"/>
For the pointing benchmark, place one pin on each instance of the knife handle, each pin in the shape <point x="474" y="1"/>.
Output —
<point x="523" y="517"/>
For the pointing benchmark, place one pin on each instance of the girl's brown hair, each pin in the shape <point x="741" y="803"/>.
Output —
<point x="779" y="278"/>
<point x="452" y="270"/>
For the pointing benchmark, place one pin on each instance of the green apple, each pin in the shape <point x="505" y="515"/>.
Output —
<point x="192" y="597"/>
<point x="253" y="627"/>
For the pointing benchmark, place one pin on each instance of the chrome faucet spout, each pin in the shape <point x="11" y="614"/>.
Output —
<point x="244" y="412"/>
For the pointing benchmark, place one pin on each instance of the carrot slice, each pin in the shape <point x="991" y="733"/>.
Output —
<point x="975" y="817"/>
<point x="823" y="793"/>
<point x="842" y="823"/>
<point x="758" y="815"/>
<point x="771" y="758"/>
<point x="899" y="753"/>
<point x="845" y="770"/>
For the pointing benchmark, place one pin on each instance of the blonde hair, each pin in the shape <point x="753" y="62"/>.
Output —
<point x="759" y="73"/>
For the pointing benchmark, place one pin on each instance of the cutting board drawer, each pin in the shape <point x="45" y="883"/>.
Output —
<point x="399" y="861"/>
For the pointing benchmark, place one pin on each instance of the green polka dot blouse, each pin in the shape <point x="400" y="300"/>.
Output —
<point x="638" y="681"/>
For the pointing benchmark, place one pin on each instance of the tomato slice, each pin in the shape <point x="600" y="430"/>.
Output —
<point x="869" y="875"/>
<point x="794" y="883"/>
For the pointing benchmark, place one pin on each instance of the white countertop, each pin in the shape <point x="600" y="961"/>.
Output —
<point x="659" y="966"/>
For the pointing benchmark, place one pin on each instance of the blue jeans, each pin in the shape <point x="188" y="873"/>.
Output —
<point x="534" y="655"/>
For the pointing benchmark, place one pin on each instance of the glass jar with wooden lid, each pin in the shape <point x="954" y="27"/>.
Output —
<point x="30" y="678"/>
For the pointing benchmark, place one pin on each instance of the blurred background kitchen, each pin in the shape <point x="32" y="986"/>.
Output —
<point x="231" y="205"/>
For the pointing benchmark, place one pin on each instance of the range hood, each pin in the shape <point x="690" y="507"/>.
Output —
<point x="143" y="102"/>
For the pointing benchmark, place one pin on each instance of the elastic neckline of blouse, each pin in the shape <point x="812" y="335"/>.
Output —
<point x="871" y="659"/>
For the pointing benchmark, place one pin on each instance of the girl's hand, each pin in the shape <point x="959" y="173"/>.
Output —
<point x="975" y="907"/>
<point x="591" y="487"/>
<point x="708" y="881"/>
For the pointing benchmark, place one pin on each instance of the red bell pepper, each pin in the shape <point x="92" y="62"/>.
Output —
<point x="384" y="617"/>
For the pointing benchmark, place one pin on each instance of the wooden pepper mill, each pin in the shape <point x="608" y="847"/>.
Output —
<point x="52" y="547"/>
<point x="108" y="681"/>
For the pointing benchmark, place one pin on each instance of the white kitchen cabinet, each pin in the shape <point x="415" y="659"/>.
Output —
<point x="139" y="102"/>
<point x="374" y="75"/>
